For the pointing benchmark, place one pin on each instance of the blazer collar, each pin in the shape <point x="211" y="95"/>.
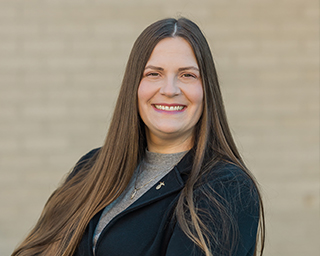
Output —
<point x="173" y="182"/>
<point x="170" y="183"/>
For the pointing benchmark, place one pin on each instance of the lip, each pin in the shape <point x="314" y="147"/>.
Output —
<point x="169" y="108"/>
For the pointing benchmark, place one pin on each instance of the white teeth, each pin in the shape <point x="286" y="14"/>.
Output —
<point x="167" y="108"/>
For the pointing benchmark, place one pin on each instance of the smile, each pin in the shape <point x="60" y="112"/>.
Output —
<point x="169" y="108"/>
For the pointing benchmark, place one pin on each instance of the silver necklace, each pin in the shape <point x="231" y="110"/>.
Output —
<point x="145" y="184"/>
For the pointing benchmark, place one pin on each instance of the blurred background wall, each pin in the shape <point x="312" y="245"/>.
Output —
<point x="61" y="65"/>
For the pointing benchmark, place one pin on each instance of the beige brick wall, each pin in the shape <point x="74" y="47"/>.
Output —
<point x="61" y="63"/>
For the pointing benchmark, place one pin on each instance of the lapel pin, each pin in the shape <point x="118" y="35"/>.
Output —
<point x="160" y="185"/>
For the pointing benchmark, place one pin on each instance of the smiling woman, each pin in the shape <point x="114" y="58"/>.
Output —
<point x="169" y="180"/>
<point x="170" y="96"/>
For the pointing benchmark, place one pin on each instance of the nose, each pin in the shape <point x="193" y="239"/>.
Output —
<point x="170" y="88"/>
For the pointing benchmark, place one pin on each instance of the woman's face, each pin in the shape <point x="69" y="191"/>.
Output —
<point x="170" y="95"/>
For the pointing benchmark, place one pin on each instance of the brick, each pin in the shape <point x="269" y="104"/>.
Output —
<point x="43" y="46"/>
<point x="44" y="143"/>
<point x="61" y="66"/>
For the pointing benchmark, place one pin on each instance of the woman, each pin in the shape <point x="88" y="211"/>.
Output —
<point x="168" y="180"/>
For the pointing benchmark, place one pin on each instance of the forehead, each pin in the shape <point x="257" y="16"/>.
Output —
<point x="173" y="50"/>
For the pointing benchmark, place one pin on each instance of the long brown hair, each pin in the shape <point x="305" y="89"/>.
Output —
<point x="100" y="181"/>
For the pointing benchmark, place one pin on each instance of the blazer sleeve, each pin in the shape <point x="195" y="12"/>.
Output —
<point x="239" y="196"/>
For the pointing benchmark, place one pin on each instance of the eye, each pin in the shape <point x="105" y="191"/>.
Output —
<point x="153" y="74"/>
<point x="189" y="75"/>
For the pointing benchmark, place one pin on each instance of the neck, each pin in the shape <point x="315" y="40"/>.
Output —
<point x="169" y="146"/>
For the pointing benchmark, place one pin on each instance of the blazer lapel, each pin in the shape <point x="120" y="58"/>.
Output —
<point x="172" y="182"/>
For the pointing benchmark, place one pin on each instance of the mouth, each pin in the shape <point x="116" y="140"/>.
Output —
<point x="169" y="107"/>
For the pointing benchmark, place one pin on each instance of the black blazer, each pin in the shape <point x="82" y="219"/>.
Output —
<point x="146" y="228"/>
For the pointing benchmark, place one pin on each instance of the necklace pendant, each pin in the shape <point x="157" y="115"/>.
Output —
<point x="160" y="184"/>
<point x="133" y="194"/>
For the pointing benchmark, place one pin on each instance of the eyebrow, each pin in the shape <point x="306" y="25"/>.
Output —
<point x="180" y="69"/>
<point x="154" y="67"/>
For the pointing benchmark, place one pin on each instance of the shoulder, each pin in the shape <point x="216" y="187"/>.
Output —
<point x="86" y="159"/>
<point x="231" y="186"/>
<point x="228" y="174"/>
<point x="227" y="198"/>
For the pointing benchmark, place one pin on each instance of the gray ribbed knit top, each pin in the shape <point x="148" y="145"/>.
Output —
<point x="151" y="169"/>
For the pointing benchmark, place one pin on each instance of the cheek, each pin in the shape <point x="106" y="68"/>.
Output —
<point x="196" y="95"/>
<point x="140" y="99"/>
<point x="197" y="99"/>
<point x="145" y="92"/>
<point x="143" y="96"/>
<point x="142" y="92"/>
